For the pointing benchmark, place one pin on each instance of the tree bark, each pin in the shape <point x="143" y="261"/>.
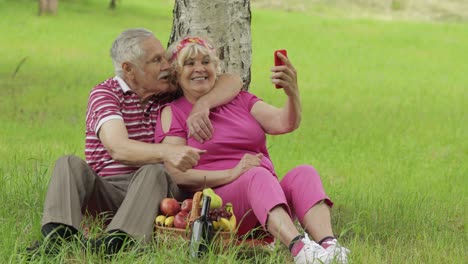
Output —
<point x="48" y="7"/>
<point x="226" y="23"/>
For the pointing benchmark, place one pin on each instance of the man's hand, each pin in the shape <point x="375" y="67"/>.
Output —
<point x="199" y="123"/>
<point x="247" y="162"/>
<point x="183" y="157"/>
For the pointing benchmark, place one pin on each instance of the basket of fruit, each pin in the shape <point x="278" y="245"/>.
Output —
<point x="176" y="219"/>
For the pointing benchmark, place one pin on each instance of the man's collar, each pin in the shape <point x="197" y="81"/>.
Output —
<point x="126" y="88"/>
<point x="122" y="84"/>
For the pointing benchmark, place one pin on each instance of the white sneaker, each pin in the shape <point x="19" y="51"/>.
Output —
<point x="311" y="253"/>
<point x="336" y="252"/>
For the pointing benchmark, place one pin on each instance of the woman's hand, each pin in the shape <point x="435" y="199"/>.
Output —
<point x="285" y="76"/>
<point x="276" y="121"/>
<point x="247" y="162"/>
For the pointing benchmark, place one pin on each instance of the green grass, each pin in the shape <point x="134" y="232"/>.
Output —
<point x="384" y="122"/>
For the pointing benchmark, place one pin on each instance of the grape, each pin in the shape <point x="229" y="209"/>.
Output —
<point x="217" y="213"/>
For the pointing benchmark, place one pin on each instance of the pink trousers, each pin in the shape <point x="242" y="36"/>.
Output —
<point x="257" y="191"/>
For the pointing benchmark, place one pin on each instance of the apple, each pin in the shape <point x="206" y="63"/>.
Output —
<point x="180" y="220"/>
<point x="169" y="206"/>
<point x="187" y="205"/>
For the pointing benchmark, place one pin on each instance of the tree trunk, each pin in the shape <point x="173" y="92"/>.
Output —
<point x="226" y="23"/>
<point x="48" y="7"/>
<point x="112" y="4"/>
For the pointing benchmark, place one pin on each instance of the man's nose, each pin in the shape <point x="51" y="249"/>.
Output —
<point x="165" y="64"/>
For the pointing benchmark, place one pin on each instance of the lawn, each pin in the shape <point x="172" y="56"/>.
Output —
<point x="384" y="122"/>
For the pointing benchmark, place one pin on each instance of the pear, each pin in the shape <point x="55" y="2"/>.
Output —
<point x="216" y="201"/>
<point x="169" y="222"/>
<point x="160" y="219"/>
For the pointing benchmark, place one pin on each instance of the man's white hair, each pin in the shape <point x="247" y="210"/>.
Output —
<point x="127" y="47"/>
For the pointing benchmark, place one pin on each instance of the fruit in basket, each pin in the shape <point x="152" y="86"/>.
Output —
<point x="169" y="222"/>
<point x="216" y="225"/>
<point x="180" y="219"/>
<point x="223" y="218"/>
<point x="159" y="221"/>
<point x="225" y="224"/>
<point x="186" y="205"/>
<point x="169" y="207"/>
<point x="216" y="201"/>
<point x="229" y="208"/>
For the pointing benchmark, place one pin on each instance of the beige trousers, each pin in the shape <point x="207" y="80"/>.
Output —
<point x="132" y="199"/>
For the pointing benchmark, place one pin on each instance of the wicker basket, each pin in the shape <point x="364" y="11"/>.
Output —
<point x="193" y="215"/>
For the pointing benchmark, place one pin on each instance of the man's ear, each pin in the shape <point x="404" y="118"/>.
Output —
<point x="128" y="69"/>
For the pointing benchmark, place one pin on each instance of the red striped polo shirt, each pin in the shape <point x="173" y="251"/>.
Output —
<point x="109" y="100"/>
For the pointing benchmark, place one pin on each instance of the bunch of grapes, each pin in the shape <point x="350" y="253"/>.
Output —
<point x="217" y="213"/>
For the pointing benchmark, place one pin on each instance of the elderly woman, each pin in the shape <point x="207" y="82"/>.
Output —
<point x="236" y="163"/>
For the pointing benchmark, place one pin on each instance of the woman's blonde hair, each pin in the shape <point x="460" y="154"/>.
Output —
<point x="188" y="47"/>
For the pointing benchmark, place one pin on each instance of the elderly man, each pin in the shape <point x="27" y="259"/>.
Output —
<point x="123" y="175"/>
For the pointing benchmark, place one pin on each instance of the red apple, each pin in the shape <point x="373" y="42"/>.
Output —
<point x="169" y="206"/>
<point x="180" y="220"/>
<point x="187" y="205"/>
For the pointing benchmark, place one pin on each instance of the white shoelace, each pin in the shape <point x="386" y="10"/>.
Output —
<point x="337" y="252"/>
<point x="314" y="249"/>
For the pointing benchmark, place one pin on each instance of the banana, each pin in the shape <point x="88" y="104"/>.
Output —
<point x="216" y="225"/>
<point x="160" y="219"/>
<point x="232" y="219"/>
<point x="169" y="222"/>
<point x="225" y="225"/>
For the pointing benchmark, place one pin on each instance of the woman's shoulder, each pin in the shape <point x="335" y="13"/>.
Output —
<point x="180" y="104"/>
<point x="246" y="98"/>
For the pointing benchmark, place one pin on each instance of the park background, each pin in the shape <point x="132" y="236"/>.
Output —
<point x="384" y="94"/>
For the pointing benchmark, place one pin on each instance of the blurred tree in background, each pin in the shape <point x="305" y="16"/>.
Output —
<point x="113" y="4"/>
<point x="48" y="7"/>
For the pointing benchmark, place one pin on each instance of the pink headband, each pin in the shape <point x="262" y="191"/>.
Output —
<point x="187" y="41"/>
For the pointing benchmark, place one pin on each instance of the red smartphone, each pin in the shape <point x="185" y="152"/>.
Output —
<point x="279" y="62"/>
